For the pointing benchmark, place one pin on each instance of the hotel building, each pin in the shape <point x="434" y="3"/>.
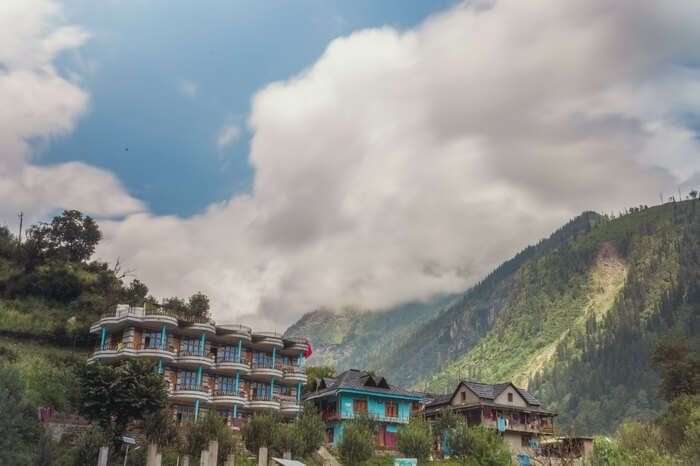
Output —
<point x="230" y="369"/>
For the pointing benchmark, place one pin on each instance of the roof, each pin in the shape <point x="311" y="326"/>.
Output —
<point x="284" y="462"/>
<point x="355" y="379"/>
<point x="486" y="392"/>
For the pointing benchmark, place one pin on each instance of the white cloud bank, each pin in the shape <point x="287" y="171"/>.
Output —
<point x="37" y="104"/>
<point x="403" y="164"/>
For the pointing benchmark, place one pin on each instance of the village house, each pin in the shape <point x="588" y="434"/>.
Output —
<point x="511" y="410"/>
<point x="229" y="369"/>
<point x="354" y="393"/>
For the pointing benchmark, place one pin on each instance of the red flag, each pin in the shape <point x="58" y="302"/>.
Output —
<point x="308" y="349"/>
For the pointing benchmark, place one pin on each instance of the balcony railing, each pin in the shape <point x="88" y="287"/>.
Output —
<point x="192" y="388"/>
<point x="378" y="417"/>
<point x="292" y="370"/>
<point x="126" y="310"/>
<point x="155" y="347"/>
<point x="195" y="354"/>
<point x="114" y="347"/>
<point x="241" y="393"/>
<point x="264" y="397"/>
<point x="264" y="365"/>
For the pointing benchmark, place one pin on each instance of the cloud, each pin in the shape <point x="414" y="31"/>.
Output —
<point x="38" y="105"/>
<point x="407" y="163"/>
<point x="187" y="88"/>
<point x="228" y="135"/>
<point x="401" y="163"/>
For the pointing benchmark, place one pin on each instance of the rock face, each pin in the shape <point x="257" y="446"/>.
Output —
<point x="324" y="457"/>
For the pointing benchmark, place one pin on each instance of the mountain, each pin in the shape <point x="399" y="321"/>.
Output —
<point x="572" y="318"/>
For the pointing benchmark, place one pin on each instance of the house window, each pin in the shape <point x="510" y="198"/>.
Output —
<point x="260" y="391"/>
<point x="184" y="414"/>
<point x="391" y="409"/>
<point x="359" y="406"/>
<point x="225" y="385"/>
<point x="464" y="396"/>
<point x="510" y="397"/>
<point x="191" y="347"/>
<point x="188" y="380"/>
<point x="228" y="353"/>
<point x="261" y="359"/>
<point x="151" y="340"/>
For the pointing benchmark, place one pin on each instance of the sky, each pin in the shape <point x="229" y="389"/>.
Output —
<point x="285" y="156"/>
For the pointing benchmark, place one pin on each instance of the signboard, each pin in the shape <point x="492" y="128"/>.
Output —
<point x="405" y="462"/>
<point x="129" y="440"/>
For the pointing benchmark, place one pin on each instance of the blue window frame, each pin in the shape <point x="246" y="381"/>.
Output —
<point x="191" y="346"/>
<point x="228" y="353"/>
<point x="225" y="385"/>
<point x="188" y="380"/>
<point x="152" y="339"/>
<point x="260" y="391"/>
<point x="262" y="359"/>
<point x="184" y="414"/>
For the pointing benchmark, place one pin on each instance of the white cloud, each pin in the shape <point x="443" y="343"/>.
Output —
<point x="187" y="88"/>
<point x="400" y="164"/>
<point x="228" y="135"/>
<point x="403" y="164"/>
<point x="37" y="105"/>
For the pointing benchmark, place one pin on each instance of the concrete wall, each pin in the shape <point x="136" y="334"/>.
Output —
<point x="469" y="396"/>
<point x="518" y="400"/>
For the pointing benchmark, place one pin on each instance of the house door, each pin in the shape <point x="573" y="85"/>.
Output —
<point x="381" y="430"/>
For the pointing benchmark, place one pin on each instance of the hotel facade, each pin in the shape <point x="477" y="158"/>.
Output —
<point x="230" y="369"/>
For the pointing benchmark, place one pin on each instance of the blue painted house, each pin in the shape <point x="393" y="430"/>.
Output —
<point x="353" y="393"/>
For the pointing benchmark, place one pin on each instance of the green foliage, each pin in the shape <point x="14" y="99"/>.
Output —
<point x="207" y="428"/>
<point x="19" y="427"/>
<point x="314" y="373"/>
<point x="160" y="428"/>
<point x="309" y="431"/>
<point x="357" y="444"/>
<point x="678" y="361"/>
<point x="675" y="418"/>
<point x="114" y="395"/>
<point x="478" y="446"/>
<point x="415" y="440"/>
<point x="259" y="431"/>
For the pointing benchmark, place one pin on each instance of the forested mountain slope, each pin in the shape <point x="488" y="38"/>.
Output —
<point x="572" y="318"/>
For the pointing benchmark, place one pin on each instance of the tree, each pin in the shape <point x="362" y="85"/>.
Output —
<point x="478" y="445"/>
<point x="415" y="440"/>
<point x="19" y="427"/>
<point x="198" y="305"/>
<point x="678" y="362"/>
<point x="160" y="428"/>
<point x="259" y="431"/>
<point x="447" y="420"/>
<point x="309" y="429"/>
<point x="114" y="395"/>
<point x="693" y="194"/>
<point x="209" y="427"/>
<point x="314" y="373"/>
<point x="136" y="292"/>
<point x="357" y="444"/>
<point x="284" y="438"/>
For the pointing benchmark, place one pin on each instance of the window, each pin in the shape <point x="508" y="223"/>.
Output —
<point x="510" y="397"/>
<point x="152" y="339"/>
<point x="188" y="380"/>
<point x="228" y="353"/>
<point x="359" y="406"/>
<point x="261" y="359"/>
<point x="225" y="385"/>
<point x="260" y="391"/>
<point x="184" y="414"/>
<point x="391" y="409"/>
<point x="191" y="347"/>
<point x="464" y="396"/>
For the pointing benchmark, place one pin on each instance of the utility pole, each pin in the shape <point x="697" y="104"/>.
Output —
<point x="21" y="218"/>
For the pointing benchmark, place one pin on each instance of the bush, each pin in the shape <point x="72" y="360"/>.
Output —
<point x="259" y="432"/>
<point x="415" y="440"/>
<point x="478" y="446"/>
<point x="309" y="431"/>
<point x="357" y="444"/>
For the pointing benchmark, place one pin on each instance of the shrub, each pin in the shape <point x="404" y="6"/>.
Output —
<point x="259" y="431"/>
<point x="415" y="440"/>
<point x="478" y="446"/>
<point x="309" y="430"/>
<point x="358" y="442"/>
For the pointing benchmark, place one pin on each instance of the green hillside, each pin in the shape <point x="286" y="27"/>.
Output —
<point x="573" y="318"/>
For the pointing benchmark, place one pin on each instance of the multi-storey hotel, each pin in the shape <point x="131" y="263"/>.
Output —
<point x="227" y="368"/>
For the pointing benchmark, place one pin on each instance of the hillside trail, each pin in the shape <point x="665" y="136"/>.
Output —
<point x="607" y="279"/>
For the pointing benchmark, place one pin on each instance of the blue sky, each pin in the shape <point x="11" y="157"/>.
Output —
<point x="143" y="54"/>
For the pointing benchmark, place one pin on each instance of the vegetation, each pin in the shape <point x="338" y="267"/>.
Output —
<point x="478" y="446"/>
<point x="314" y="373"/>
<point x="416" y="439"/>
<point x="357" y="444"/>
<point x="19" y="429"/>
<point x="115" y="395"/>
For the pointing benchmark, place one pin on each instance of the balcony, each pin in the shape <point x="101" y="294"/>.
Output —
<point x="379" y="417"/>
<point x="125" y="315"/>
<point x="231" y="366"/>
<point x="289" y="405"/>
<point x="195" y="326"/>
<point x="294" y="374"/>
<point x="112" y="352"/>
<point x="228" y="399"/>
<point x="263" y="371"/>
<point x="193" y="359"/>
<point x="265" y="341"/>
<point x="155" y="353"/>
<point x="186" y="394"/>
<point x="257" y="402"/>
